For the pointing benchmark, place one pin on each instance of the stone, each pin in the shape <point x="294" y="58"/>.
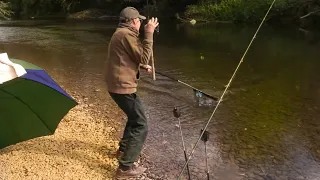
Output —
<point x="282" y="177"/>
<point x="193" y="22"/>
<point x="300" y="177"/>
<point x="226" y="148"/>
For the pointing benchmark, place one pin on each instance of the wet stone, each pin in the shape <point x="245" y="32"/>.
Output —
<point x="196" y="170"/>
<point x="292" y="178"/>
<point x="242" y="166"/>
<point x="259" y="178"/>
<point x="242" y="169"/>
<point x="251" y="174"/>
<point x="158" y="171"/>
<point x="282" y="177"/>
<point x="300" y="178"/>
<point x="271" y="177"/>
<point x="225" y="155"/>
<point x="241" y="160"/>
<point x="259" y="173"/>
<point x="226" y="148"/>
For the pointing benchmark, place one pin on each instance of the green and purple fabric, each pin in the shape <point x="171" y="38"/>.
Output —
<point x="31" y="105"/>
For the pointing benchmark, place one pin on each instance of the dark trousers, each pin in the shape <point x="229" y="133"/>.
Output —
<point x="136" y="129"/>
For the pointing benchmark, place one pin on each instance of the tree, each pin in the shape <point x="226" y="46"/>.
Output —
<point x="5" y="12"/>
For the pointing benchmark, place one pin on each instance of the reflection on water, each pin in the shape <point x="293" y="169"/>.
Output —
<point x="265" y="128"/>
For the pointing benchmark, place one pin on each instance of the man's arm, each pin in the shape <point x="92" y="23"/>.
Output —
<point x="140" y="52"/>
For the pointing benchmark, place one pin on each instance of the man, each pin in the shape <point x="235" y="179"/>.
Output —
<point x="125" y="56"/>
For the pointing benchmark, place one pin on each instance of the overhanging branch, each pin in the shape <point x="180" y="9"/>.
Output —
<point x="309" y="14"/>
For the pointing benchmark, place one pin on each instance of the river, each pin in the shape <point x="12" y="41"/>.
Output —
<point x="267" y="126"/>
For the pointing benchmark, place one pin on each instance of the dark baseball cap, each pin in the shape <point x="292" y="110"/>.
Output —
<point x="130" y="13"/>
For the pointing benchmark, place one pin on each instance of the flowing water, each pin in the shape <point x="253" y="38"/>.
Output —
<point x="267" y="126"/>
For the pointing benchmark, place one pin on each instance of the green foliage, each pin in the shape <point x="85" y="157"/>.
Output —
<point x="225" y="10"/>
<point x="5" y="11"/>
<point x="27" y="8"/>
<point x="39" y="7"/>
<point x="241" y="10"/>
<point x="23" y="8"/>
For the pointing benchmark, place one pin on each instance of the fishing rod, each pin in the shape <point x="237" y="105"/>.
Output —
<point x="177" y="114"/>
<point x="195" y="89"/>
<point x="152" y="57"/>
<point x="233" y="75"/>
<point x="205" y="138"/>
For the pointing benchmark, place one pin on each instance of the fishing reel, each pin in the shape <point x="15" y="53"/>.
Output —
<point x="157" y="29"/>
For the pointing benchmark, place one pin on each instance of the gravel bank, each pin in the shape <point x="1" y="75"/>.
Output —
<point x="81" y="148"/>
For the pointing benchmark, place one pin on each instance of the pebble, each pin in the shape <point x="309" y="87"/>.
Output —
<point x="226" y="147"/>
<point x="300" y="178"/>
<point x="282" y="177"/>
<point x="251" y="174"/>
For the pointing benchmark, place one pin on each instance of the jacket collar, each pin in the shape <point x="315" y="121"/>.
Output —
<point x="128" y="26"/>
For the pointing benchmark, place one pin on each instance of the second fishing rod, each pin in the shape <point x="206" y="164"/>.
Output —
<point x="224" y="92"/>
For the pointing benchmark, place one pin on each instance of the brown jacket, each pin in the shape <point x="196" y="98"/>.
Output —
<point x="125" y="54"/>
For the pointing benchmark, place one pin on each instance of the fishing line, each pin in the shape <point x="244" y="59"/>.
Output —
<point x="204" y="129"/>
<point x="196" y="91"/>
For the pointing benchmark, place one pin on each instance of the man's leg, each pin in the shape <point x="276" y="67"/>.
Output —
<point x="137" y="127"/>
<point x="125" y="137"/>
<point x="120" y="102"/>
<point x="137" y="133"/>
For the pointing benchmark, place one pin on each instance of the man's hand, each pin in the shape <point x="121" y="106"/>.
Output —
<point x="151" y="25"/>
<point x="146" y="67"/>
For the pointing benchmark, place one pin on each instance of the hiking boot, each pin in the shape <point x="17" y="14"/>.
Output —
<point x="133" y="171"/>
<point x="119" y="154"/>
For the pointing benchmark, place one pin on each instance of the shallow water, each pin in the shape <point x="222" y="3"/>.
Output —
<point x="267" y="125"/>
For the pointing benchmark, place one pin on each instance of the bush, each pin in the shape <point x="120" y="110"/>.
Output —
<point x="5" y="12"/>
<point x="238" y="10"/>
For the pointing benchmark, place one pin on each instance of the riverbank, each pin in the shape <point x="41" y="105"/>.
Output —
<point x="92" y="14"/>
<point x="82" y="148"/>
<point x="198" y="14"/>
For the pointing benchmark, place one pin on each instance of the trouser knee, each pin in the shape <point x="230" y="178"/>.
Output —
<point x="144" y="130"/>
